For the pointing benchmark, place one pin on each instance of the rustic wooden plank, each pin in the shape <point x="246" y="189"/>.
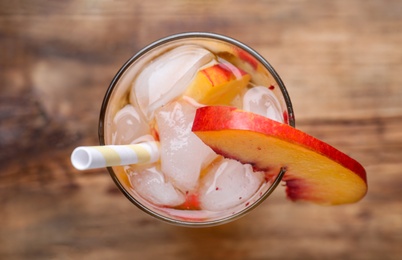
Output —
<point x="340" y="61"/>
<point x="72" y="214"/>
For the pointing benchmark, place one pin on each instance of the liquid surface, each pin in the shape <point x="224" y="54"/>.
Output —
<point x="190" y="181"/>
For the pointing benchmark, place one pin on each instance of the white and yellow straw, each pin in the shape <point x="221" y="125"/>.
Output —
<point x="90" y="157"/>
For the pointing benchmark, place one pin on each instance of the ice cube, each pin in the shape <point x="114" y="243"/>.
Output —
<point x="128" y="126"/>
<point x="183" y="154"/>
<point x="232" y="68"/>
<point x="166" y="77"/>
<point x="152" y="186"/>
<point x="228" y="184"/>
<point x="262" y="101"/>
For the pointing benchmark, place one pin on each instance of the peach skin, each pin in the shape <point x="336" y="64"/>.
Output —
<point x="315" y="171"/>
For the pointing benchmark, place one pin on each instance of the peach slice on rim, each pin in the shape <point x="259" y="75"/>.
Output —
<point x="315" y="171"/>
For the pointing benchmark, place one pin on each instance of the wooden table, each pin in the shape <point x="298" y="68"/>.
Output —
<point x="340" y="60"/>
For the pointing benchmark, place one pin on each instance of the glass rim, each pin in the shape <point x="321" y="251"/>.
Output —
<point x="172" y="38"/>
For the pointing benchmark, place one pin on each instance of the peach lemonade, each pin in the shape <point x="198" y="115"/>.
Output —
<point x="186" y="92"/>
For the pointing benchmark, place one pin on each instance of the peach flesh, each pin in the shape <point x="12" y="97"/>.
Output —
<point x="217" y="85"/>
<point x="316" y="171"/>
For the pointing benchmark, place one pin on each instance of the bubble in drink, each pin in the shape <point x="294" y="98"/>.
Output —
<point x="156" y="99"/>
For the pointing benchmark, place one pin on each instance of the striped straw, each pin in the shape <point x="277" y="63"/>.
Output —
<point x="90" y="157"/>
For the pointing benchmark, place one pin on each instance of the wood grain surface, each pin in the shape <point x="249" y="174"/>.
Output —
<point x="340" y="60"/>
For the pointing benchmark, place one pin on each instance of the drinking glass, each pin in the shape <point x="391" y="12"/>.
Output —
<point x="117" y="95"/>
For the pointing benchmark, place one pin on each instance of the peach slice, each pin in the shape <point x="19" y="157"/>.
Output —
<point x="248" y="58"/>
<point x="315" y="171"/>
<point x="217" y="85"/>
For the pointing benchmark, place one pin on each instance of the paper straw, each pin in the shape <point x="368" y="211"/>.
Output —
<point x="90" y="157"/>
